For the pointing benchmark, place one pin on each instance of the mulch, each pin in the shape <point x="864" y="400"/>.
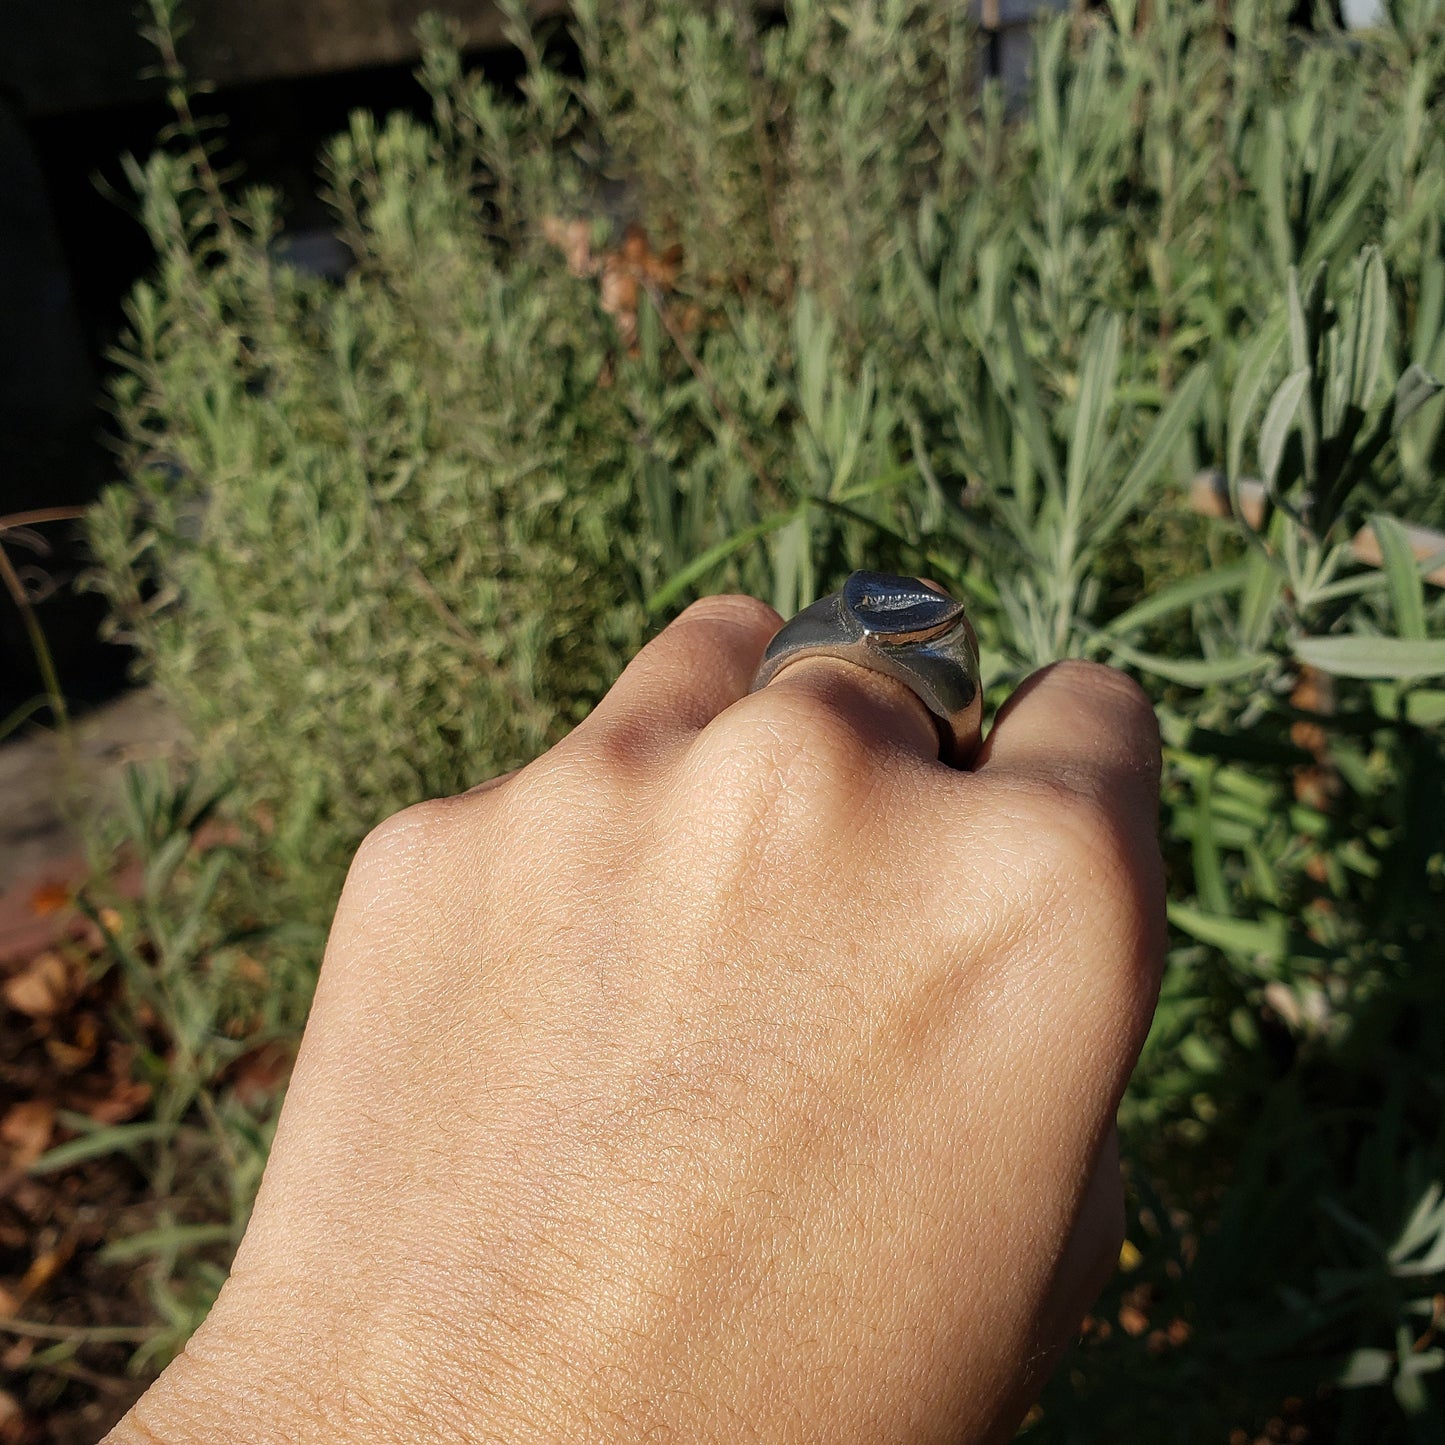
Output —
<point x="63" y="1066"/>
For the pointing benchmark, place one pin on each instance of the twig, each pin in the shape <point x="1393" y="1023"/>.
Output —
<point x="757" y="74"/>
<point x="16" y="520"/>
<point x="13" y="585"/>
<point x="162" y="34"/>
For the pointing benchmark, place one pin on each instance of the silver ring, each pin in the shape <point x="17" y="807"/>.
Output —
<point x="903" y="627"/>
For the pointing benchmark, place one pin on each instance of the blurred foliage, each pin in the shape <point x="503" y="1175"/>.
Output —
<point x="382" y="537"/>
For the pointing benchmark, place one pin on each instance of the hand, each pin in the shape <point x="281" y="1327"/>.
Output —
<point x="736" y="1071"/>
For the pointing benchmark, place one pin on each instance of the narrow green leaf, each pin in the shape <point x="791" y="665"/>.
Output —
<point x="1261" y="599"/>
<point x="1407" y="588"/>
<point x="1035" y="428"/>
<point x="1172" y="598"/>
<point x="1273" y="191"/>
<point x="700" y="566"/>
<point x="113" y="1140"/>
<point x="1097" y="376"/>
<point x="903" y="472"/>
<point x="1409" y="1390"/>
<point x="1208" y="868"/>
<point x="1426" y="708"/>
<point x="1426" y="1221"/>
<point x="1328" y="237"/>
<point x="1277" y="421"/>
<point x="1189" y="672"/>
<point x="1300" y="352"/>
<point x="1242" y="937"/>
<point x="1366" y="1367"/>
<point x="164" y="861"/>
<point x="1363" y="656"/>
<point x="1367" y="328"/>
<point x="792" y="551"/>
<point x="1159" y="446"/>
<point x="173" y="1238"/>
<point x="1254" y="367"/>
<point x="1415" y="387"/>
<point x="182" y="940"/>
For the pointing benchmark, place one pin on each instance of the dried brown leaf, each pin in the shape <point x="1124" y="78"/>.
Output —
<point x="44" y="1267"/>
<point x="50" y="898"/>
<point x="26" y="1130"/>
<point x="75" y="1052"/>
<point x="125" y="1100"/>
<point x="42" y="989"/>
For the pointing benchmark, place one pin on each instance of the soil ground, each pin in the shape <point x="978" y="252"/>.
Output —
<point x="69" y="1320"/>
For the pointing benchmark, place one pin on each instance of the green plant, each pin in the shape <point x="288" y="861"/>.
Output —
<point x="205" y="999"/>
<point x="379" y="539"/>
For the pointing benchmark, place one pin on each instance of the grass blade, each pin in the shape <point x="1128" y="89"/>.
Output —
<point x="1035" y="429"/>
<point x="171" y="1239"/>
<point x="1192" y="672"/>
<point x="1254" y="368"/>
<point x="116" y="1139"/>
<point x="1178" y="595"/>
<point x="681" y="580"/>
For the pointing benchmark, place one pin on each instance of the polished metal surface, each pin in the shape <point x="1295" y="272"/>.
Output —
<point x="903" y="627"/>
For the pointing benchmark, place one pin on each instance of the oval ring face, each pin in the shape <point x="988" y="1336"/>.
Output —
<point x="899" y="609"/>
<point x="901" y="626"/>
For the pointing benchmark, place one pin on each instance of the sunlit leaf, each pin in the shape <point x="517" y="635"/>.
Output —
<point x="1255" y="363"/>
<point x="1163" y="440"/>
<point x="1384" y="657"/>
<point x="1415" y="387"/>
<point x="1407" y="589"/>
<point x="1366" y="1367"/>
<point x="1203" y="672"/>
<point x="1277" y="422"/>
<point x="1177" y="595"/>
<point x="699" y="567"/>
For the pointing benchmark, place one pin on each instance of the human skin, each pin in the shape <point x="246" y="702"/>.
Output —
<point x="735" y="1071"/>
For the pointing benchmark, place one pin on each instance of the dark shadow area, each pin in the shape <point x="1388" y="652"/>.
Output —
<point x="71" y="248"/>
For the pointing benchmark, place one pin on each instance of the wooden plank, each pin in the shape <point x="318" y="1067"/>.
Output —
<point x="1209" y="496"/>
<point x="60" y="56"/>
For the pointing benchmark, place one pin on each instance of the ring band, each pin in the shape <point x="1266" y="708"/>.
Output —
<point x="905" y="628"/>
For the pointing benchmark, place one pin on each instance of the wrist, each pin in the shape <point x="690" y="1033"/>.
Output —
<point x="221" y="1391"/>
<point x="259" y="1376"/>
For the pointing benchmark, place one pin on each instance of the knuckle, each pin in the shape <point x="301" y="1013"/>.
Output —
<point x="792" y="737"/>
<point x="773" y="775"/>
<point x="732" y="608"/>
<point x="622" y="751"/>
<point x="1095" y="679"/>
<point x="393" y="848"/>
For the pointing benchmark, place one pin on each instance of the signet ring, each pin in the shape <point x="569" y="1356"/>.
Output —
<point x="901" y="626"/>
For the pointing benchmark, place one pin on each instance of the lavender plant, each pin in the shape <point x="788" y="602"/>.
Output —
<point x="380" y="538"/>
